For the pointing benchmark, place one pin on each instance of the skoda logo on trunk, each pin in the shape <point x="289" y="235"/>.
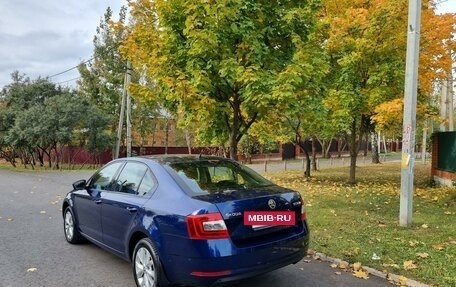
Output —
<point x="272" y="204"/>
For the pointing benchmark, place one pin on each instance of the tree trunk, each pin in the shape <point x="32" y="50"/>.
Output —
<point x="233" y="146"/>
<point x="188" y="141"/>
<point x="366" y="147"/>
<point x="166" y="135"/>
<point x="353" y="153"/>
<point x="323" y="147"/>
<point x="375" y="156"/>
<point x="308" y="162"/>
<point x="314" y="154"/>
<point x="234" y="128"/>
<point x="340" y="146"/>
<point x="327" y="155"/>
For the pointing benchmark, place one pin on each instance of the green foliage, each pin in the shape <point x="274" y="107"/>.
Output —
<point x="218" y="62"/>
<point x="102" y="78"/>
<point x="38" y="118"/>
<point x="248" y="146"/>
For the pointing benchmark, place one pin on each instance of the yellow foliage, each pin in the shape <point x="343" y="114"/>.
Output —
<point x="362" y="274"/>
<point x="409" y="264"/>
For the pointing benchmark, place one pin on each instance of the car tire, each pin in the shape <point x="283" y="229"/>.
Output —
<point x="70" y="227"/>
<point x="146" y="264"/>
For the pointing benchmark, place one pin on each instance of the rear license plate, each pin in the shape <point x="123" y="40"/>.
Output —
<point x="265" y="219"/>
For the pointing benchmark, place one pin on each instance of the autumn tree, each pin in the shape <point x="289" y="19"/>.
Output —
<point x="366" y="45"/>
<point x="366" y="49"/>
<point x="218" y="62"/>
<point x="437" y="53"/>
<point x="102" y="77"/>
<point x="301" y="115"/>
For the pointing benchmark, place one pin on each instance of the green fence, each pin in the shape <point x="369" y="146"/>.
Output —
<point x="447" y="151"/>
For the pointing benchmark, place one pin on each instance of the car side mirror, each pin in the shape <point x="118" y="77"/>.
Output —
<point x="80" y="184"/>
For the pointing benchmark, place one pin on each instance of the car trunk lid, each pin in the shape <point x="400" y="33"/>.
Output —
<point x="233" y="204"/>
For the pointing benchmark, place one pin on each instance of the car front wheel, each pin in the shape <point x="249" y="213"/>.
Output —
<point x="146" y="264"/>
<point x="70" y="229"/>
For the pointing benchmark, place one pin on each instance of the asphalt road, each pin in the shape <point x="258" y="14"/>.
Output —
<point x="33" y="250"/>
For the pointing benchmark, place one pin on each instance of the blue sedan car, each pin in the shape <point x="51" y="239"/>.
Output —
<point x="190" y="220"/>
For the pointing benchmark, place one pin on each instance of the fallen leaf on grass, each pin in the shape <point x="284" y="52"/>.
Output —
<point x="438" y="247"/>
<point x="413" y="243"/>
<point x="33" y="269"/>
<point x="409" y="265"/>
<point x="361" y="274"/>
<point x="422" y="255"/>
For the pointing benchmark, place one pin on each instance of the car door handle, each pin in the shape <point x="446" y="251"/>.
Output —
<point x="132" y="209"/>
<point x="98" y="201"/>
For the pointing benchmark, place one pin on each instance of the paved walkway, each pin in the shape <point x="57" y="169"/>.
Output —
<point x="277" y="164"/>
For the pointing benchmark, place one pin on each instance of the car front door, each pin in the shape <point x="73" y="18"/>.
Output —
<point x="88" y="204"/>
<point x="121" y="208"/>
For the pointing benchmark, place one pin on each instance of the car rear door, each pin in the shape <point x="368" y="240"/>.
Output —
<point x="120" y="208"/>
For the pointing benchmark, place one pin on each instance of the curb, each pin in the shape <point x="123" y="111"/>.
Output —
<point x="393" y="278"/>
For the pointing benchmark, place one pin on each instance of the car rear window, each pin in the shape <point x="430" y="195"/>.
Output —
<point x="209" y="176"/>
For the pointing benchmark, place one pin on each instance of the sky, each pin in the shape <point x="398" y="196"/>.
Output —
<point x="46" y="37"/>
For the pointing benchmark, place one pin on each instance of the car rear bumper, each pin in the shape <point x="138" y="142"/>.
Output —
<point x="242" y="263"/>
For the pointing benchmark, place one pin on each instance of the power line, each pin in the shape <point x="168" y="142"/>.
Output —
<point x="77" y="78"/>
<point x="67" y="70"/>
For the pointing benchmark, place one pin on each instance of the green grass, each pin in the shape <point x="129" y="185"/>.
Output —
<point x="21" y="168"/>
<point x="354" y="222"/>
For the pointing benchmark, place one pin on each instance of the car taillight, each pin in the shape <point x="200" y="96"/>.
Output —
<point x="303" y="210"/>
<point x="207" y="226"/>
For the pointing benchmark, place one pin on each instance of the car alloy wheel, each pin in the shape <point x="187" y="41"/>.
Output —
<point x="69" y="225"/>
<point x="146" y="265"/>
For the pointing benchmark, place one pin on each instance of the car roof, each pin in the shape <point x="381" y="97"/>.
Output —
<point x="186" y="158"/>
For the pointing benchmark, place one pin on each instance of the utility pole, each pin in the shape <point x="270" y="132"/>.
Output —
<point x="122" y="111"/>
<point x="128" y="78"/>
<point x="450" y="103"/>
<point x="409" y="122"/>
<point x="126" y="101"/>
<point x="443" y="105"/>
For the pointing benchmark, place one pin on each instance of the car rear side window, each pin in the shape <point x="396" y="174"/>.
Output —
<point x="147" y="183"/>
<point x="131" y="177"/>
